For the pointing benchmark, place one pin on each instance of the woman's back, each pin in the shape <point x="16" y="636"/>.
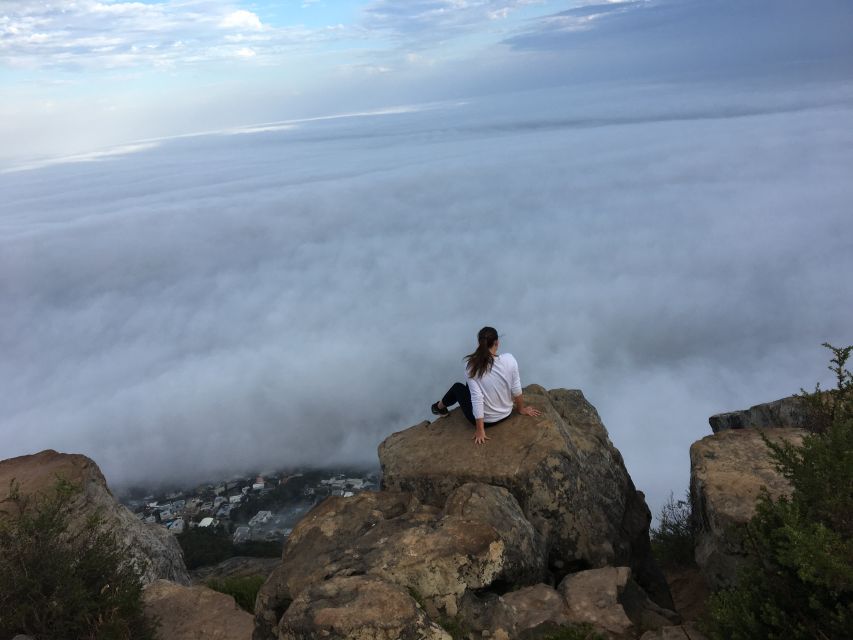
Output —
<point x="492" y="393"/>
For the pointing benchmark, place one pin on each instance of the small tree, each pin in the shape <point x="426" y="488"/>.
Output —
<point x="673" y="540"/>
<point x="798" y="583"/>
<point x="58" y="581"/>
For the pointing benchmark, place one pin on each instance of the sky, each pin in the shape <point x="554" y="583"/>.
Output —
<point x="237" y="236"/>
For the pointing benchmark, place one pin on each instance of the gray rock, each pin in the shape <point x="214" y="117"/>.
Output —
<point x="787" y="412"/>
<point x="680" y="632"/>
<point x="525" y="549"/>
<point x="613" y="603"/>
<point x="568" y="478"/>
<point x="593" y="597"/>
<point x="727" y="473"/>
<point x="357" y="608"/>
<point x="195" y="613"/>
<point x="535" y="606"/>
<point x="151" y="547"/>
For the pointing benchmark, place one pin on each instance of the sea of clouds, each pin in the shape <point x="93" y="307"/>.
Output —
<point x="292" y="293"/>
<point x="669" y="231"/>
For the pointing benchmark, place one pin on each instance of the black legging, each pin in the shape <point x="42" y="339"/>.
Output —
<point x="460" y="393"/>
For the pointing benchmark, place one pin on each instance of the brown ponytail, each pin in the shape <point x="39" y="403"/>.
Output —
<point x="481" y="360"/>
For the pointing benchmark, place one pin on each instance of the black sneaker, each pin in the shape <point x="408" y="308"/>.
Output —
<point x="439" y="412"/>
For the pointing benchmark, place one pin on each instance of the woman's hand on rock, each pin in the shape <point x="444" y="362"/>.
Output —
<point x="530" y="411"/>
<point x="480" y="437"/>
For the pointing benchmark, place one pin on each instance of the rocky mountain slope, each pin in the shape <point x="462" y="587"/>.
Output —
<point x="154" y="550"/>
<point x="539" y="529"/>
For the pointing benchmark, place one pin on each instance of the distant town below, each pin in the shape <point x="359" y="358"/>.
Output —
<point x="251" y="508"/>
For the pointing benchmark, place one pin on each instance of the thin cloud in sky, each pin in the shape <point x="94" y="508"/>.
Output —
<point x="430" y="21"/>
<point x="97" y="35"/>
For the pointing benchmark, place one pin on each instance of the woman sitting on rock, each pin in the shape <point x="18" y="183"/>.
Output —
<point x="494" y="386"/>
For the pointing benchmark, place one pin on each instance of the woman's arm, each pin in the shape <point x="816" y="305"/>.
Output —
<point x="480" y="436"/>
<point x="518" y="401"/>
<point x="517" y="397"/>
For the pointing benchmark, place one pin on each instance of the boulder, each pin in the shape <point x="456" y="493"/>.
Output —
<point x="195" y="613"/>
<point x="728" y="471"/>
<point x="677" y="632"/>
<point x="566" y="475"/>
<point x="357" y="608"/>
<point x="689" y="591"/>
<point x="392" y="536"/>
<point x="317" y="549"/>
<point x="535" y="606"/>
<point x="613" y="603"/>
<point x="788" y="412"/>
<point x="498" y="507"/>
<point x="151" y="547"/>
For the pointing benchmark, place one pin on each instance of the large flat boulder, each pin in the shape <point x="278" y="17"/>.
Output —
<point x="566" y="475"/>
<point x="728" y="471"/>
<point x="151" y="547"/>
<point x="195" y="613"/>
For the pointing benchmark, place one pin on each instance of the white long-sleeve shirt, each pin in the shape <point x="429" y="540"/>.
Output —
<point x="492" y="394"/>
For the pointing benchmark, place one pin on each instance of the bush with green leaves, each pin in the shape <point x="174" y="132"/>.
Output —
<point x="673" y="540"/>
<point x="244" y="589"/>
<point x="61" y="581"/>
<point x="798" y="582"/>
<point x="211" y="545"/>
<point x="205" y="546"/>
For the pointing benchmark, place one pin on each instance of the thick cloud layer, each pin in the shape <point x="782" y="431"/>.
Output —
<point x="290" y="297"/>
<point x="669" y="233"/>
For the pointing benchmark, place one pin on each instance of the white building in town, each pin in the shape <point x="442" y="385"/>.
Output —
<point x="261" y="517"/>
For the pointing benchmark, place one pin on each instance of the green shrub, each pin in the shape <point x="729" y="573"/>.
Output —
<point x="211" y="545"/>
<point x="243" y="589"/>
<point x="205" y="546"/>
<point x="59" y="582"/>
<point x="259" y="548"/>
<point x="798" y="582"/>
<point x="673" y="541"/>
<point x="574" y="632"/>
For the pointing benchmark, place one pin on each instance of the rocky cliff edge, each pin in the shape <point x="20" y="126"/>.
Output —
<point x="478" y="536"/>
<point x="728" y="472"/>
